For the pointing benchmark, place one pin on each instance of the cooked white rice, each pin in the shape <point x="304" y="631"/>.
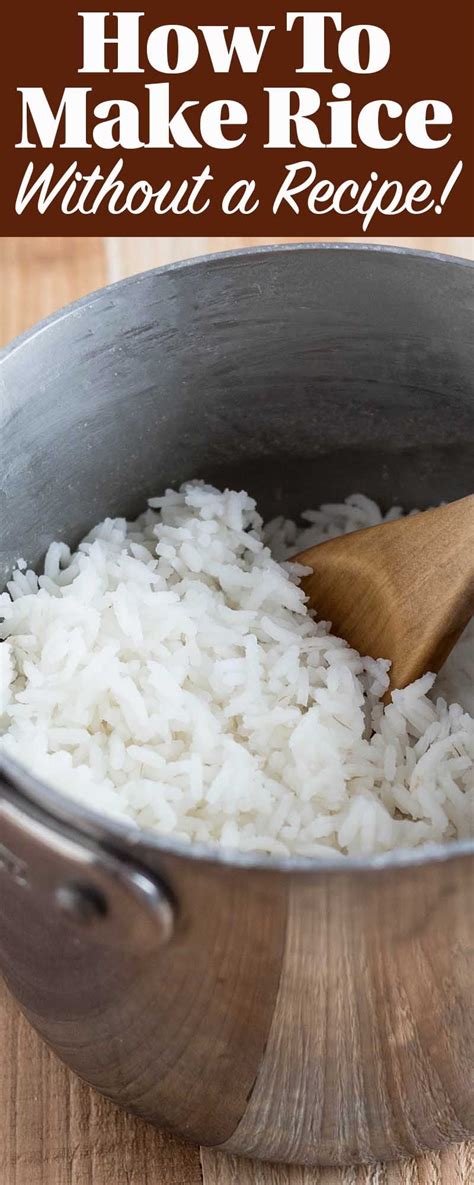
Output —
<point x="169" y="672"/>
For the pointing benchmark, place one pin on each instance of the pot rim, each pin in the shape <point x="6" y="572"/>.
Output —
<point x="58" y="807"/>
<point x="213" y="259"/>
<point x="106" y="829"/>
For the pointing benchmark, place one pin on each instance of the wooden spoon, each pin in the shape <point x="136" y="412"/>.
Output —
<point x="403" y="590"/>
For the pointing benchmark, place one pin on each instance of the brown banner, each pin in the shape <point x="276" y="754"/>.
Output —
<point x="369" y="130"/>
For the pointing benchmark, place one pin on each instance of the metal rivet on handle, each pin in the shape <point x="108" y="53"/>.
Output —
<point x="81" y="903"/>
<point x="88" y="886"/>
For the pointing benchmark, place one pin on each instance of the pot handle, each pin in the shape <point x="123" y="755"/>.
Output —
<point x="89" y="885"/>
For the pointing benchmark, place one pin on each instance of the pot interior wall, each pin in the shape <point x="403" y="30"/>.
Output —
<point x="302" y="374"/>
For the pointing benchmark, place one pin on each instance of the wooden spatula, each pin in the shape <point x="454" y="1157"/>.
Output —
<point x="403" y="590"/>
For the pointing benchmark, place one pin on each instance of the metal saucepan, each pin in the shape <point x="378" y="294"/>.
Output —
<point x="286" y="1009"/>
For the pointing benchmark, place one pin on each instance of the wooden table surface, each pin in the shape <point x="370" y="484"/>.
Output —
<point x="54" y="1130"/>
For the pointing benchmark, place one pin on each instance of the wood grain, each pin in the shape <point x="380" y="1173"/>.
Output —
<point x="53" y="1129"/>
<point x="56" y="1131"/>
<point x="40" y="275"/>
<point x="455" y="1166"/>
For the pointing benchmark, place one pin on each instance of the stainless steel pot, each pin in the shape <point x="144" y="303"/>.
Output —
<point x="287" y="1009"/>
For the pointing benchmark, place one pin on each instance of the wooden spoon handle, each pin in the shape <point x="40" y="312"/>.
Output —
<point x="403" y="590"/>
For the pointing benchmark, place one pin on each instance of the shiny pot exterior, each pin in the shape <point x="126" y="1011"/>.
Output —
<point x="291" y="1010"/>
